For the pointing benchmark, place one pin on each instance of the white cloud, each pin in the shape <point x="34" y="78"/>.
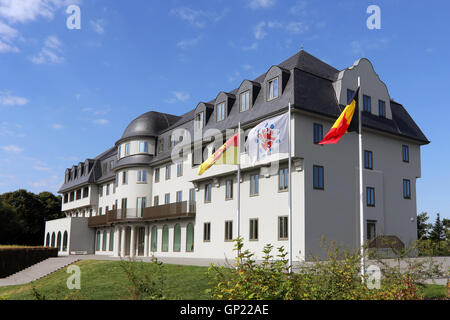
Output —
<point x="198" y="18"/>
<point x="41" y="168"/>
<point x="256" y="4"/>
<point x="259" y="30"/>
<point x="7" y="37"/>
<point x="50" y="53"/>
<point x="297" y="27"/>
<point x="187" y="43"/>
<point x="291" y="27"/>
<point x="98" y="26"/>
<point x="178" y="96"/>
<point x="101" y="122"/>
<point x="9" y="100"/>
<point x="29" y="10"/>
<point x="57" y="126"/>
<point x="12" y="149"/>
<point x="298" y="8"/>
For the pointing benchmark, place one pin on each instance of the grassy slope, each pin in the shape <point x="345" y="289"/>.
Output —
<point x="106" y="280"/>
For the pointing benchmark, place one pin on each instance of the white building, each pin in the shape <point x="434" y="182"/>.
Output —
<point x="133" y="200"/>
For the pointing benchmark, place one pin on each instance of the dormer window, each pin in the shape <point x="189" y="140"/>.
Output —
<point x="220" y="111"/>
<point x="245" y="101"/>
<point x="272" y="89"/>
<point x="199" y="120"/>
<point x="367" y="103"/>
<point x="381" y="108"/>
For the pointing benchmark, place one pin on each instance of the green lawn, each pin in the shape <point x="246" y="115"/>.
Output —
<point x="102" y="280"/>
<point x="106" y="280"/>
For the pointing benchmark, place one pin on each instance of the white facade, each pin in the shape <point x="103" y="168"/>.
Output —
<point x="122" y="223"/>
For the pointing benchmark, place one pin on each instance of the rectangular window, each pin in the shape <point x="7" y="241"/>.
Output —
<point x="318" y="177"/>
<point x="406" y="189"/>
<point x="228" y="189"/>
<point x="220" y="111"/>
<point x="283" y="228"/>
<point x="168" y="172"/>
<point x="381" y="108"/>
<point x="127" y="149"/>
<point x="228" y="230"/>
<point x="72" y="196"/>
<point x="143" y="146"/>
<point x="78" y="194"/>
<point x="100" y="211"/>
<point x="207" y="231"/>
<point x="318" y="133"/>
<point x="191" y="196"/>
<point x="106" y="209"/>
<point x="111" y="240"/>
<point x="350" y="94"/>
<point x="254" y="185"/>
<point x="208" y="189"/>
<point x="370" y="196"/>
<point x="371" y="229"/>
<point x="405" y="153"/>
<point x="111" y="165"/>
<point x="272" y="89"/>
<point x="199" y="120"/>
<point x="160" y="145"/>
<point x="66" y="197"/>
<point x="368" y="159"/>
<point x="85" y="192"/>
<point x="156" y="201"/>
<point x="283" y="179"/>
<point x="142" y="176"/>
<point x="179" y="196"/>
<point x="367" y="103"/>
<point x="107" y="189"/>
<point x="180" y="169"/>
<point x="140" y="204"/>
<point x="245" y="101"/>
<point x="156" y="174"/>
<point x="125" y="177"/>
<point x="253" y="229"/>
<point x="124" y="204"/>
<point x="119" y="152"/>
<point x="167" y="198"/>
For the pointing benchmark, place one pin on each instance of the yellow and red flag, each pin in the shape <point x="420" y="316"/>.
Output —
<point x="226" y="154"/>
<point x="348" y="121"/>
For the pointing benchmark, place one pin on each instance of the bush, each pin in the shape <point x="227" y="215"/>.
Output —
<point x="336" y="278"/>
<point x="14" y="259"/>
<point x="147" y="280"/>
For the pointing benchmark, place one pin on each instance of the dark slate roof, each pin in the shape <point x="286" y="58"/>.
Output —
<point x="309" y="87"/>
<point x="149" y="124"/>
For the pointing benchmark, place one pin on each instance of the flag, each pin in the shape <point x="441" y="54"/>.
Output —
<point x="269" y="137"/>
<point x="348" y="121"/>
<point x="226" y="154"/>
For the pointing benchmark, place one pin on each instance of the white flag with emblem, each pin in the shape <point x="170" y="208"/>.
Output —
<point x="269" y="137"/>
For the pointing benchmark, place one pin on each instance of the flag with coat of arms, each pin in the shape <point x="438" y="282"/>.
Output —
<point x="269" y="137"/>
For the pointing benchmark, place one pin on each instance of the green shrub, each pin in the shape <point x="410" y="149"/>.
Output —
<point x="338" y="277"/>
<point x="146" y="280"/>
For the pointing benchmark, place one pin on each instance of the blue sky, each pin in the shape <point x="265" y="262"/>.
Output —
<point x="67" y="95"/>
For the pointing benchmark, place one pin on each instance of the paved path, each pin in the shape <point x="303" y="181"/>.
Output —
<point x="38" y="270"/>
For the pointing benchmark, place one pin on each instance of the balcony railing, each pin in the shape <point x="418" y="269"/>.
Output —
<point x="177" y="210"/>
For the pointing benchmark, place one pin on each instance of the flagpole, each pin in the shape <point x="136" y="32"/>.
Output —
<point x="238" y="216"/>
<point x="290" y="191"/>
<point x="361" y="186"/>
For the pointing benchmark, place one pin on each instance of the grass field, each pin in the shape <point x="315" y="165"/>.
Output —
<point x="105" y="280"/>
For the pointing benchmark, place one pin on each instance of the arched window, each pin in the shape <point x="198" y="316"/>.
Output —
<point x="53" y="239"/>
<point x="177" y="238"/>
<point x="59" y="241"/>
<point x="165" y="239"/>
<point x="105" y="235"/>
<point x="111" y="240"/>
<point x="154" y="238"/>
<point x="190" y="237"/>
<point x="65" y="236"/>
<point x="47" y="240"/>
<point x="97" y="248"/>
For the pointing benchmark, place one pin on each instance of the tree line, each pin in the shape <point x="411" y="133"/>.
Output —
<point x="23" y="215"/>
<point x="436" y="234"/>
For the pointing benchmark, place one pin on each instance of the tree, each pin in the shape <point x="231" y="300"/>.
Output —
<point x="423" y="227"/>
<point x="437" y="233"/>
<point x="32" y="211"/>
<point x="10" y="225"/>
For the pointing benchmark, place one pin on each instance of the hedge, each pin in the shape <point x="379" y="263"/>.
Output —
<point x="14" y="259"/>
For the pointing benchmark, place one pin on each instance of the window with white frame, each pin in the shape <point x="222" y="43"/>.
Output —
<point x="143" y="146"/>
<point x="220" y="111"/>
<point x="142" y="176"/>
<point x="245" y="101"/>
<point x="272" y="89"/>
